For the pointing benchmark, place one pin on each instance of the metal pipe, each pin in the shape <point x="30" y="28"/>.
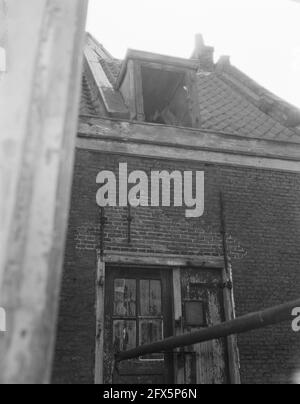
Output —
<point x="240" y="325"/>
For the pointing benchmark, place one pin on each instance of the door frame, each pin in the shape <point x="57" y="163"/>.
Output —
<point x="147" y="271"/>
<point x="172" y="263"/>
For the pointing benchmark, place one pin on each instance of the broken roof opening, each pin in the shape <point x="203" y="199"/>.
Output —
<point x="160" y="89"/>
<point x="165" y="97"/>
<point x="227" y="100"/>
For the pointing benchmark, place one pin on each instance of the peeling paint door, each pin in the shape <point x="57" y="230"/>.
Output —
<point x="138" y="311"/>
<point x="202" y="303"/>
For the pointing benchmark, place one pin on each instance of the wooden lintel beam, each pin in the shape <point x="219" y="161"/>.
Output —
<point x="187" y="141"/>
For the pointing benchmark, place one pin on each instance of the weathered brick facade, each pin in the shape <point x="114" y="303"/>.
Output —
<point x="263" y="224"/>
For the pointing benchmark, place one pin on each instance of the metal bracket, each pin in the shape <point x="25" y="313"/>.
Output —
<point x="99" y="330"/>
<point x="228" y="285"/>
<point x="103" y="222"/>
<point x="129" y="220"/>
<point x="100" y="281"/>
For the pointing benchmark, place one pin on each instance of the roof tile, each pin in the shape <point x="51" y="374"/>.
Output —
<point x="222" y="107"/>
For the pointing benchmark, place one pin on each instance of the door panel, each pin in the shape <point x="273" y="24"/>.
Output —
<point x="202" y="296"/>
<point x="138" y="311"/>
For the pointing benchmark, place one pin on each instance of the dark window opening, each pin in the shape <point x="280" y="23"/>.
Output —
<point x="166" y="97"/>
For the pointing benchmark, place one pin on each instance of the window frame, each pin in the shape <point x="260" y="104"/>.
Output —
<point x="132" y="88"/>
<point x="140" y="274"/>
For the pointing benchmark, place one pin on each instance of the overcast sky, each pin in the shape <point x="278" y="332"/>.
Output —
<point x="261" y="36"/>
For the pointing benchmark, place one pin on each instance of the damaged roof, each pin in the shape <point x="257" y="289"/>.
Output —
<point x="229" y="101"/>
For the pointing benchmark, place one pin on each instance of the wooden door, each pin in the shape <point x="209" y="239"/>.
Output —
<point x="138" y="311"/>
<point x="203" y="306"/>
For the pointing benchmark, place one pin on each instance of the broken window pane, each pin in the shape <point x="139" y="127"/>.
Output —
<point x="124" y="335"/>
<point x="125" y="297"/>
<point x="166" y="97"/>
<point x="150" y="297"/>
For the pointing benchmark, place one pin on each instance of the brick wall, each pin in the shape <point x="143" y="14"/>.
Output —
<point x="263" y="220"/>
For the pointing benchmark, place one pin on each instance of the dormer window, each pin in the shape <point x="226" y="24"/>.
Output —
<point x="160" y="89"/>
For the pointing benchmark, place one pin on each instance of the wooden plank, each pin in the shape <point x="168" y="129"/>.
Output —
<point x="175" y="153"/>
<point x="100" y="299"/>
<point x="96" y="68"/>
<point x="112" y="100"/>
<point x="177" y="296"/>
<point x="179" y="363"/>
<point x="155" y="58"/>
<point x="187" y="138"/>
<point x="37" y="150"/>
<point x="211" y="358"/>
<point x="164" y="59"/>
<point x="130" y="100"/>
<point x="150" y="291"/>
<point x="164" y="67"/>
<point x="164" y="260"/>
<point x="232" y="345"/>
<point x="228" y="296"/>
<point x="194" y="102"/>
<point x="138" y="92"/>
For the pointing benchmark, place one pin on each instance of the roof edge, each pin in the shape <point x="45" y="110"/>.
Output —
<point x="90" y="40"/>
<point x="276" y="107"/>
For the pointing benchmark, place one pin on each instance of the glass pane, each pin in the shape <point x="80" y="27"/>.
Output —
<point x="195" y="314"/>
<point x="125" y="297"/>
<point x="150" y="298"/>
<point x="124" y="335"/>
<point x="151" y="331"/>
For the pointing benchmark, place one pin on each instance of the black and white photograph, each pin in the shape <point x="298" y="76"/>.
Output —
<point x="149" y="195"/>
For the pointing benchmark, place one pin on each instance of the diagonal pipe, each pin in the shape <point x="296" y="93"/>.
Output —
<point x="249" y="322"/>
